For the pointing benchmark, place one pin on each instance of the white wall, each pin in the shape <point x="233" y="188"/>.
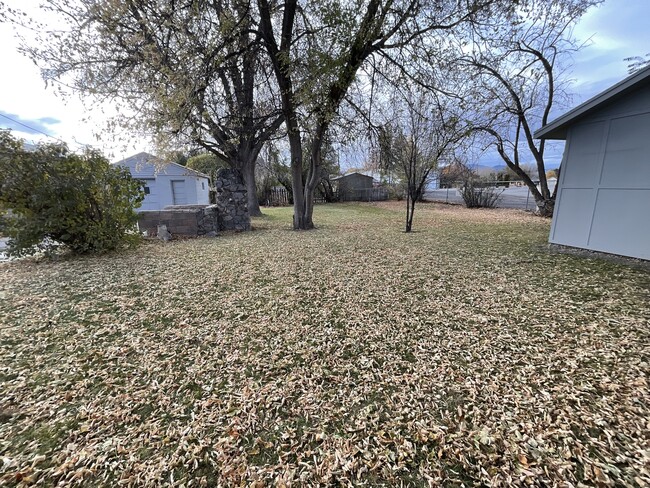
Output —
<point x="202" y="191"/>
<point x="160" y="182"/>
<point x="603" y="201"/>
<point x="152" y="200"/>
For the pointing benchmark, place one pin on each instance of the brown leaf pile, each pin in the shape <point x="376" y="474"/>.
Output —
<point x="464" y="354"/>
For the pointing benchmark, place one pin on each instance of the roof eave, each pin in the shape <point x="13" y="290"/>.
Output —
<point x="558" y="133"/>
<point x="146" y="158"/>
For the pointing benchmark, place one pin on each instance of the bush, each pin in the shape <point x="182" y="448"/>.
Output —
<point x="50" y="197"/>
<point x="477" y="196"/>
<point x="396" y="191"/>
<point x="208" y="164"/>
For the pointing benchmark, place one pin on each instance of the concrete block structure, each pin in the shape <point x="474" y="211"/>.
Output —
<point x="190" y="220"/>
<point x="229" y="214"/>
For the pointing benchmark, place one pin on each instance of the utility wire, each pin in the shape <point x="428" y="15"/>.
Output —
<point x="31" y="128"/>
<point x="40" y="131"/>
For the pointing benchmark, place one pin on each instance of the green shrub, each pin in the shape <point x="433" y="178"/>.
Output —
<point x="51" y="197"/>
<point x="208" y="164"/>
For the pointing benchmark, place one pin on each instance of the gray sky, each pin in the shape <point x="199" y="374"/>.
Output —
<point x="616" y="30"/>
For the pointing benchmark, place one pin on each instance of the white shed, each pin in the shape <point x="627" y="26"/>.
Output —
<point x="167" y="183"/>
<point x="603" y="201"/>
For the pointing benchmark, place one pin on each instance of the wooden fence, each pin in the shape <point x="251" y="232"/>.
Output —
<point x="364" y="195"/>
<point x="277" y="197"/>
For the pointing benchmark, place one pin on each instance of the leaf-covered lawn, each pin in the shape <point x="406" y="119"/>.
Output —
<point x="354" y="354"/>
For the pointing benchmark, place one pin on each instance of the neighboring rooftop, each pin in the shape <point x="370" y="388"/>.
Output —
<point x="140" y="158"/>
<point x="350" y="174"/>
<point x="144" y="158"/>
<point x="557" y="129"/>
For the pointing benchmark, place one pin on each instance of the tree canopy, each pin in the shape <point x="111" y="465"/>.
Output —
<point x="189" y="73"/>
<point x="229" y="76"/>
<point x="514" y="69"/>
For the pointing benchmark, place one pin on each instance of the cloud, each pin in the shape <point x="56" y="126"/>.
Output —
<point x="27" y="126"/>
<point x="615" y="32"/>
<point x="49" y="120"/>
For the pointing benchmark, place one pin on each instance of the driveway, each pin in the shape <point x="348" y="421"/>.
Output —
<point x="513" y="197"/>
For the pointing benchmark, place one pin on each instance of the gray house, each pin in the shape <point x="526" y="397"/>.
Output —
<point x="167" y="183"/>
<point x="603" y="201"/>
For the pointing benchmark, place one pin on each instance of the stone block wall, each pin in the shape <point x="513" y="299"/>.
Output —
<point x="191" y="220"/>
<point x="232" y="200"/>
<point x="229" y="213"/>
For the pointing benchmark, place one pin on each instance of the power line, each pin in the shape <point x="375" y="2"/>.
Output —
<point x="40" y="131"/>
<point x="31" y="128"/>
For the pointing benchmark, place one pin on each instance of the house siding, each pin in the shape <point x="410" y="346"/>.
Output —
<point x="355" y="181"/>
<point x="603" y="201"/>
<point x="160" y="182"/>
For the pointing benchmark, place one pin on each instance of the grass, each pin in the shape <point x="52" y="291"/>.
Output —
<point x="353" y="354"/>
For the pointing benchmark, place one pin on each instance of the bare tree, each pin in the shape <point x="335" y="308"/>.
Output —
<point x="637" y="63"/>
<point x="421" y="133"/>
<point x="513" y="67"/>
<point x="317" y="49"/>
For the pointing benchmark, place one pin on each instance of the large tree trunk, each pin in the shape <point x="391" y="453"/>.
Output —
<point x="543" y="199"/>
<point x="545" y="207"/>
<point x="248" y="174"/>
<point x="308" y="214"/>
<point x="280" y="59"/>
<point x="545" y="204"/>
<point x="313" y="175"/>
<point x="301" y="217"/>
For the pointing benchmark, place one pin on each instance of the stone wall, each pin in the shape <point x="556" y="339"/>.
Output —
<point x="232" y="201"/>
<point x="229" y="213"/>
<point x="191" y="220"/>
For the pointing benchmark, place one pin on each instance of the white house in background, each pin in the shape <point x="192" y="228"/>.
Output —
<point x="603" y="200"/>
<point x="167" y="183"/>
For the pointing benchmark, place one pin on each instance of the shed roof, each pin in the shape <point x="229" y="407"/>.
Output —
<point x="557" y="129"/>
<point x="350" y="174"/>
<point x="146" y="158"/>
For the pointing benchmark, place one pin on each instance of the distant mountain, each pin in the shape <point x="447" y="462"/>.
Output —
<point x="482" y="169"/>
